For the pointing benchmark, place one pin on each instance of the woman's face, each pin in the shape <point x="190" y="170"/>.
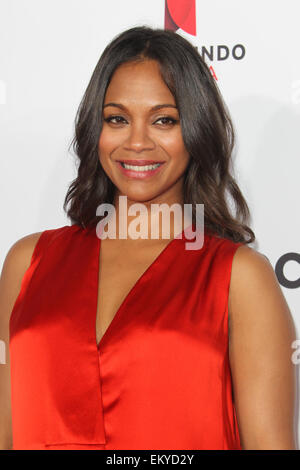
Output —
<point x="136" y="133"/>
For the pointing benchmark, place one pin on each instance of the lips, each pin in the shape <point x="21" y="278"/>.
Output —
<point x="133" y="173"/>
<point x="139" y="162"/>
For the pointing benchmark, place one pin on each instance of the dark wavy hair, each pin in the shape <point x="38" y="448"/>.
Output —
<point x="207" y="132"/>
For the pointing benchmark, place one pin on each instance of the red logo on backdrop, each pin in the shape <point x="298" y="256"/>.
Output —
<point x="181" y="14"/>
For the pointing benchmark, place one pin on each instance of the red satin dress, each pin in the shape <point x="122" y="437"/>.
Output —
<point x="160" y="378"/>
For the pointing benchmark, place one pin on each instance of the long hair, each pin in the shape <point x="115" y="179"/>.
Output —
<point x="207" y="132"/>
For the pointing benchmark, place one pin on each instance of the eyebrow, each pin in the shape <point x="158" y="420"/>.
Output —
<point x="154" y="108"/>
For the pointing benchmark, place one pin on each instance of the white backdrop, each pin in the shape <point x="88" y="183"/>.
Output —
<point x="48" y="51"/>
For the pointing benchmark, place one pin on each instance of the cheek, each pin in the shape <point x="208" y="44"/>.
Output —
<point x="107" y="142"/>
<point x="174" y="146"/>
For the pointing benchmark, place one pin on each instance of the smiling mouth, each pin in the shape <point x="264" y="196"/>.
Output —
<point x="139" y="171"/>
<point x="140" y="165"/>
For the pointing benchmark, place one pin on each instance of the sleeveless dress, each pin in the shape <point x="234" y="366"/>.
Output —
<point x="160" y="376"/>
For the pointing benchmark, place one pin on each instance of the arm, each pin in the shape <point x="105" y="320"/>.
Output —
<point x="14" y="267"/>
<point x="260" y="338"/>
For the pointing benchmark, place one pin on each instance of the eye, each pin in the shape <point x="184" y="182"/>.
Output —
<point x="110" y="119"/>
<point x="167" y="118"/>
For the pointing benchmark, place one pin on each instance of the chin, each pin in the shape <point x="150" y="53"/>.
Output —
<point x="142" y="197"/>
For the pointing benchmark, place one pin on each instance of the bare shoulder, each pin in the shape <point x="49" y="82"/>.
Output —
<point x="16" y="262"/>
<point x="261" y="334"/>
<point x="254" y="288"/>
<point x="19" y="255"/>
<point x="249" y="262"/>
<point x="24" y="245"/>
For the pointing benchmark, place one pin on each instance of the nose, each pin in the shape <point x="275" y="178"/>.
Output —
<point x="138" y="138"/>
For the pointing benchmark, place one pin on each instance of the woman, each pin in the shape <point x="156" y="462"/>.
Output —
<point x="124" y="343"/>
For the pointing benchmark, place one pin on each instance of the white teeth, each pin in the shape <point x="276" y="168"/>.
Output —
<point x="140" y="168"/>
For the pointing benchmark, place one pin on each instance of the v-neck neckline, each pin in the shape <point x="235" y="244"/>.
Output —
<point x="118" y="313"/>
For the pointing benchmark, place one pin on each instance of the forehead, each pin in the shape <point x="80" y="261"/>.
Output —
<point x="138" y="81"/>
